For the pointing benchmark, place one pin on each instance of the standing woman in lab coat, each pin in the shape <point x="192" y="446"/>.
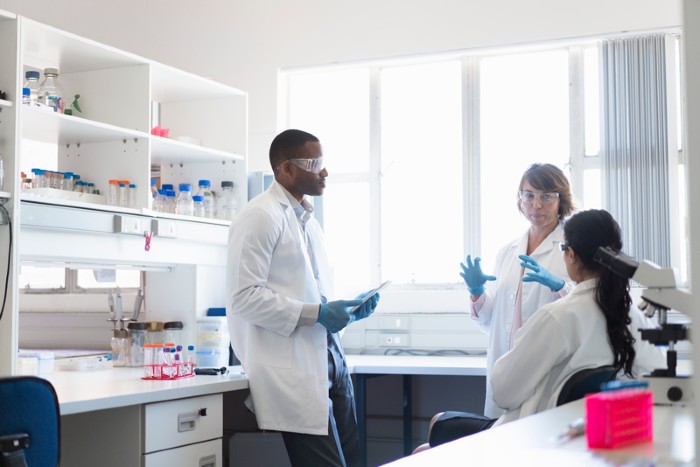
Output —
<point x="282" y="318"/>
<point x="529" y="271"/>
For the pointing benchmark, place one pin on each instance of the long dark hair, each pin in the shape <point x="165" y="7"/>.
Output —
<point x="585" y="231"/>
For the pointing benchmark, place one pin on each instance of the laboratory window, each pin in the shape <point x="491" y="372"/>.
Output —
<point x="425" y="153"/>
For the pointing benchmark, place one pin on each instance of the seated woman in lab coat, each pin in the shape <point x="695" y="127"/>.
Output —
<point x="593" y="325"/>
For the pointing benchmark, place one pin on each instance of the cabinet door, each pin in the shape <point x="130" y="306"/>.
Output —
<point x="184" y="421"/>
<point x="195" y="455"/>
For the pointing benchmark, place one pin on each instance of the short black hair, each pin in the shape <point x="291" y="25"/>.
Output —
<point x="286" y="144"/>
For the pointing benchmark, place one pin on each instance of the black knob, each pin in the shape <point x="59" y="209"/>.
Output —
<point x="203" y="412"/>
<point x="674" y="393"/>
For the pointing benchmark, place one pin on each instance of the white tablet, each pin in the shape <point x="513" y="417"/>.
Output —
<point x="371" y="294"/>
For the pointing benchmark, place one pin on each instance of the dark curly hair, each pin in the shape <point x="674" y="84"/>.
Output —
<point x="585" y="231"/>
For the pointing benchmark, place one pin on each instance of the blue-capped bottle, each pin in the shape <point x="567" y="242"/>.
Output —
<point x="185" y="203"/>
<point x="207" y="198"/>
<point x="32" y="83"/>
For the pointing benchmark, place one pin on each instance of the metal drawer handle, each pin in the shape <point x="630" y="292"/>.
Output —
<point x="187" y="421"/>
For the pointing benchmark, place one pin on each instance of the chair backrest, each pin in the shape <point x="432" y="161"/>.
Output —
<point x="584" y="382"/>
<point x="29" y="405"/>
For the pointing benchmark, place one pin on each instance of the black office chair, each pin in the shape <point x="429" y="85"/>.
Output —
<point x="584" y="382"/>
<point x="30" y="431"/>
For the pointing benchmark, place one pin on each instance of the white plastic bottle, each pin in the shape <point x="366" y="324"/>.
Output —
<point x="207" y="198"/>
<point x="51" y="91"/>
<point x="185" y="203"/>
<point x="227" y="205"/>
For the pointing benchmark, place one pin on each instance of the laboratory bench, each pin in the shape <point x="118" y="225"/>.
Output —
<point x="536" y="441"/>
<point x="110" y="416"/>
<point x="113" y="417"/>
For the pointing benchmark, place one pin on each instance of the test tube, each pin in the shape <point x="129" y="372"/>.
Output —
<point x="112" y="193"/>
<point x="131" y="198"/>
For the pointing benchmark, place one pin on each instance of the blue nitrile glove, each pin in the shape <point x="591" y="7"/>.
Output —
<point x="473" y="276"/>
<point x="368" y="307"/>
<point x="540" y="274"/>
<point x="335" y="315"/>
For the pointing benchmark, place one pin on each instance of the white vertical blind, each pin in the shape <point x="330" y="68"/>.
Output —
<point x="635" y="146"/>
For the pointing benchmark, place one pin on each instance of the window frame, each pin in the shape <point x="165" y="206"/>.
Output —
<point x="579" y="162"/>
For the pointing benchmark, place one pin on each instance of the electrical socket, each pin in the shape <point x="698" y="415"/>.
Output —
<point x="393" y="339"/>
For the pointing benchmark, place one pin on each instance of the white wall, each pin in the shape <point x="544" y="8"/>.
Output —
<point x="244" y="42"/>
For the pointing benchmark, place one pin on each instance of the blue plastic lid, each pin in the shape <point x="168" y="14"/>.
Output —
<point x="32" y="74"/>
<point x="131" y="185"/>
<point x="122" y="185"/>
<point x="163" y="192"/>
<point x="185" y="187"/>
<point x="67" y="175"/>
<point x="190" y="348"/>
<point x="154" y="181"/>
<point x="26" y="92"/>
<point x="168" y="186"/>
<point x="624" y="384"/>
<point x="205" y="183"/>
<point x="198" y="198"/>
<point x="216" y="312"/>
<point x="90" y="184"/>
<point x="171" y="193"/>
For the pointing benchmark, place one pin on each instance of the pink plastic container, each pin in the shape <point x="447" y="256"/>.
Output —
<point x="619" y="418"/>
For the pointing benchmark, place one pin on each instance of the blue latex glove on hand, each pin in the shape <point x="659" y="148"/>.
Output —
<point x="473" y="276"/>
<point x="540" y="274"/>
<point x="368" y="307"/>
<point x="335" y="315"/>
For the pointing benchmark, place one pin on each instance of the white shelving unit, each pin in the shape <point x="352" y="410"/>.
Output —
<point x="111" y="139"/>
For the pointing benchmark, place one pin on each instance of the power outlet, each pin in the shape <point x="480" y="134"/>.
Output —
<point x="393" y="339"/>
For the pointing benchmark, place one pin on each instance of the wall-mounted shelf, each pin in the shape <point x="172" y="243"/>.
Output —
<point x="4" y="103"/>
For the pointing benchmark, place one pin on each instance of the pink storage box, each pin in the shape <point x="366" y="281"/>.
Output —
<point x="619" y="418"/>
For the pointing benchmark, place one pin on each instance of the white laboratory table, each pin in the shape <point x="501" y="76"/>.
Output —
<point x="87" y="391"/>
<point x="366" y="366"/>
<point x="532" y="441"/>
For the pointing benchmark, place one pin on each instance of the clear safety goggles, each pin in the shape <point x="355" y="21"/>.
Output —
<point x="314" y="165"/>
<point x="528" y="197"/>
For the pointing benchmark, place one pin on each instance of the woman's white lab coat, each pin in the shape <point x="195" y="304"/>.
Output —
<point x="270" y="277"/>
<point x="495" y="317"/>
<point x="562" y="338"/>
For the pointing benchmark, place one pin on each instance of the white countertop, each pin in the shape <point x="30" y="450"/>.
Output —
<point x="85" y="391"/>
<point x="532" y="441"/>
<point x="458" y="365"/>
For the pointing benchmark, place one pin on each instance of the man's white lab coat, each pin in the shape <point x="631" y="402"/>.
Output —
<point x="269" y="277"/>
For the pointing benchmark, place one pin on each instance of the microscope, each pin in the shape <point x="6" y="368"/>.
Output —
<point x="660" y="296"/>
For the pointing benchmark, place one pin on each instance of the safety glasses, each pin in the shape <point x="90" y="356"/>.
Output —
<point x="310" y="165"/>
<point x="528" y="197"/>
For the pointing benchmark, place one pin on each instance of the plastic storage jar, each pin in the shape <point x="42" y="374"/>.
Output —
<point x="137" y="338"/>
<point x="172" y="333"/>
<point x="212" y="343"/>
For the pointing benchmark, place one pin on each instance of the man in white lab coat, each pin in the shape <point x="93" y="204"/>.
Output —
<point x="282" y="323"/>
